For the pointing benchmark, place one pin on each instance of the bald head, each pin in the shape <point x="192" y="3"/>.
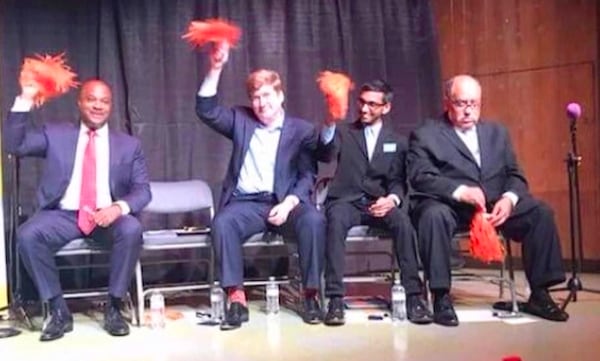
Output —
<point x="95" y="103"/>
<point x="462" y="101"/>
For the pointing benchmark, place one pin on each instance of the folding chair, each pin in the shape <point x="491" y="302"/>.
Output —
<point x="169" y="198"/>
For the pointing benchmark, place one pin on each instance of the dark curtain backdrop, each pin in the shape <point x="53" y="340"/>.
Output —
<point x="136" y="46"/>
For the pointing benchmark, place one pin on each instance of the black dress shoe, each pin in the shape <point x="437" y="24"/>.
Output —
<point x="541" y="304"/>
<point x="312" y="311"/>
<point x="335" y="312"/>
<point x="114" y="323"/>
<point x="61" y="321"/>
<point x="417" y="311"/>
<point x="235" y="315"/>
<point x="443" y="311"/>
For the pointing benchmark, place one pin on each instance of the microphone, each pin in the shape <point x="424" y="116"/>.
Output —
<point x="573" y="111"/>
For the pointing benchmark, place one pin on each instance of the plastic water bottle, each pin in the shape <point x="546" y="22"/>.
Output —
<point x="398" y="302"/>
<point x="157" y="310"/>
<point x="217" y="299"/>
<point x="272" y="297"/>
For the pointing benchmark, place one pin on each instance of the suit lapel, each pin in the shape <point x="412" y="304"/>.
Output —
<point x="112" y="156"/>
<point x="357" y="134"/>
<point x="451" y="135"/>
<point x="71" y="149"/>
<point x="483" y="137"/>
<point x="286" y="136"/>
<point x="384" y="136"/>
<point x="248" y="132"/>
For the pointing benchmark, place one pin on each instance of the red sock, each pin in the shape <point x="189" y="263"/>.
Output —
<point x="310" y="292"/>
<point x="235" y="294"/>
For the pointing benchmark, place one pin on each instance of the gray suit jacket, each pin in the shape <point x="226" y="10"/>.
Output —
<point x="57" y="144"/>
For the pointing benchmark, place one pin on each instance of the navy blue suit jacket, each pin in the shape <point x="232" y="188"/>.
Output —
<point x="57" y="144"/>
<point x="295" y="166"/>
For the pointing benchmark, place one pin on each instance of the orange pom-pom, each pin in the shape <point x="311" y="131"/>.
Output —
<point x="51" y="75"/>
<point x="335" y="87"/>
<point x="484" y="243"/>
<point x="212" y="30"/>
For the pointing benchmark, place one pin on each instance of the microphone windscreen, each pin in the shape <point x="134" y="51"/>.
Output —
<point x="573" y="111"/>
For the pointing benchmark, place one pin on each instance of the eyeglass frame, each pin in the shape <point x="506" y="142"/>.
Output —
<point x="372" y="105"/>
<point x="464" y="104"/>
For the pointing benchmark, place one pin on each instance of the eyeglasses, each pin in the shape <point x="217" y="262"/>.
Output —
<point x="370" y="104"/>
<point x="464" y="104"/>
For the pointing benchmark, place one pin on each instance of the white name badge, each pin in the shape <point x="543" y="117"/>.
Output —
<point x="389" y="147"/>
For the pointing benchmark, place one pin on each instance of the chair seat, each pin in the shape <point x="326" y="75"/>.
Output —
<point x="167" y="238"/>
<point x="265" y="239"/>
<point x="81" y="246"/>
<point x="366" y="233"/>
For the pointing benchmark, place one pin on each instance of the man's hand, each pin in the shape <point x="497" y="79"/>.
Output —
<point x="219" y="55"/>
<point x="106" y="216"/>
<point x="29" y="88"/>
<point x="501" y="211"/>
<point x="382" y="207"/>
<point x="280" y="212"/>
<point x="474" y="196"/>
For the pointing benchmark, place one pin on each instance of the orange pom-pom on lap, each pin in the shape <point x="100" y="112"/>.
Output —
<point x="212" y="30"/>
<point x="51" y="75"/>
<point x="335" y="87"/>
<point x="484" y="243"/>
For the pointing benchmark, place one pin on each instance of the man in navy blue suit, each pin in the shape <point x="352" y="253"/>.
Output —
<point x="94" y="181"/>
<point x="268" y="183"/>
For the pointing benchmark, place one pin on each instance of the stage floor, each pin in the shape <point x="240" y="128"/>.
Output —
<point x="480" y="336"/>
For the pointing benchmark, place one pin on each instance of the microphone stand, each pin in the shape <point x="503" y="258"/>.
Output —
<point x="573" y="161"/>
<point x="16" y="310"/>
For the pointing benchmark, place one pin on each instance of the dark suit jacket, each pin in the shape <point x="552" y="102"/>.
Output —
<point x="355" y="176"/>
<point x="57" y="143"/>
<point x="295" y="168"/>
<point x="439" y="161"/>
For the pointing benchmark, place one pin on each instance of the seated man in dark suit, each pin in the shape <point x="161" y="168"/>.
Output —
<point x="268" y="183"/>
<point x="458" y="164"/>
<point x="94" y="182"/>
<point x="369" y="187"/>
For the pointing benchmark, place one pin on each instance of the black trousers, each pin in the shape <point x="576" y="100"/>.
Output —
<point x="531" y="223"/>
<point x="47" y="231"/>
<point x="244" y="216"/>
<point x="341" y="216"/>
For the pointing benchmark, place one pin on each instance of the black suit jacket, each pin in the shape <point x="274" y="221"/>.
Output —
<point x="439" y="161"/>
<point x="355" y="176"/>
<point x="295" y="167"/>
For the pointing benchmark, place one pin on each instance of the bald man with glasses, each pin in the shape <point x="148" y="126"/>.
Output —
<point x="461" y="163"/>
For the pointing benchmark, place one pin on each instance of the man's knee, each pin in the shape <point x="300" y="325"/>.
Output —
<point x="28" y="236"/>
<point x="130" y="229"/>
<point x="435" y="214"/>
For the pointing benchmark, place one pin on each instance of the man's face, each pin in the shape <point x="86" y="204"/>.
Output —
<point x="372" y="106"/>
<point x="267" y="104"/>
<point x="464" y="104"/>
<point x="95" y="103"/>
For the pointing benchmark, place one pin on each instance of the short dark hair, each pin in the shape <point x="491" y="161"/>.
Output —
<point x="380" y="86"/>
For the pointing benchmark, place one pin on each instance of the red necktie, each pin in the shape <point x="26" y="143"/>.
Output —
<point x="87" y="198"/>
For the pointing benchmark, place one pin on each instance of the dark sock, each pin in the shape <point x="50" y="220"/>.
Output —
<point x="58" y="303"/>
<point x="440" y="292"/>
<point x="114" y="302"/>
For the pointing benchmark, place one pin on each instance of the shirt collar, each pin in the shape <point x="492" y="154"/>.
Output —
<point x="276" y="125"/>
<point x="375" y="128"/>
<point x="100" y="132"/>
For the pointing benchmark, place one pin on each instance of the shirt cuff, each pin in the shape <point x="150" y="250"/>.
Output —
<point x="327" y="133"/>
<point x="396" y="199"/>
<point x="210" y="84"/>
<point x="458" y="192"/>
<point x="21" y="105"/>
<point x="514" y="198"/>
<point x="125" y="210"/>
